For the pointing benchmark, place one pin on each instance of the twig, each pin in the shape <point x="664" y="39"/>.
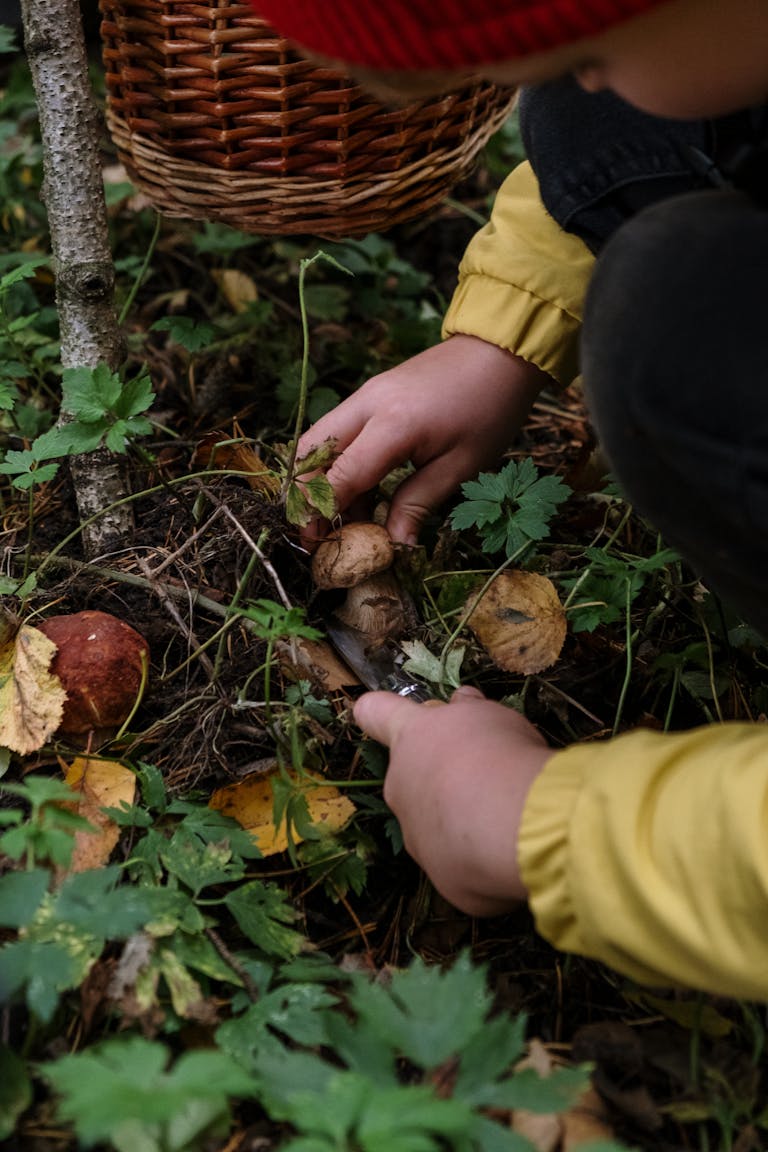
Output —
<point x="160" y="591"/>
<point x="189" y="540"/>
<point x="268" y="566"/>
<point x="251" y="990"/>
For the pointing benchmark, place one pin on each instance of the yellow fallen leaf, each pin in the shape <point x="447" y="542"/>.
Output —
<point x="238" y="289"/>
<point x="520" y="622"/>
<point x="100" y="784"/>
<point x="31" y="697"/>
<point x="250" y="803"/>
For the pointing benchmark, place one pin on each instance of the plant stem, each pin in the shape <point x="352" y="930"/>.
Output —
<point x="142" y="273"/>
<point x="628" y="668"/>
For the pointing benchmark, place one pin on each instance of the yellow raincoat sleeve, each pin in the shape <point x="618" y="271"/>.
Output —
<point x="649" y="852"/>
<point x="522" y="282"/>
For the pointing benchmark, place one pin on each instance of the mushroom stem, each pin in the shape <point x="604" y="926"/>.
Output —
<point x="375" y="607"/>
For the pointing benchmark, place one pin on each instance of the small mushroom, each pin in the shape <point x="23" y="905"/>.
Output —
<point x="352" y="554"/>
<point x="100" y="661"/>
<point x="520" y="622"/>
<point x="357" y="558"/>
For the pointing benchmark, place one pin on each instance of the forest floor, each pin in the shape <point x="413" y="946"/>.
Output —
<point x="239" y="706"/>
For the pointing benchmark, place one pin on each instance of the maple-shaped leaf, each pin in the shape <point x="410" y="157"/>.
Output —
<point x="31" y="697"/>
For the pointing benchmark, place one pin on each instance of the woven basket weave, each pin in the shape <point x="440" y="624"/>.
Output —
<point x="216" y="117"/>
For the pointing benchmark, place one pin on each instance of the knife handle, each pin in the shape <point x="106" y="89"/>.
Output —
<point x="410" y="689"/>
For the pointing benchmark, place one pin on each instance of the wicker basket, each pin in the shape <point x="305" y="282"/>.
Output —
<point x="216" y="117"/>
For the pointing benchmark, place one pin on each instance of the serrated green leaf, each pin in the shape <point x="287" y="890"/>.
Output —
<point x="26" y="270"/>
<point x="475" y="513"/>
<point x="193" y="335"/>
<point x="85" y="437"/>
<point x="8" y="39"/>
<point x="127" y="1081"/>
<point x="199" y="864"/>
<point x="90" y="393"/>
<point x="92" y="902"/>
<point x="135" y="397"/>
<point x="488" y="1055"/>
<point x="321" y="496"/>
<point x="264" y="915"/>
<point x="9" y="394"/>
<point x="295" y="1011"/>
<point x="427" y="1015"/>
<point x="544" y="1094"/>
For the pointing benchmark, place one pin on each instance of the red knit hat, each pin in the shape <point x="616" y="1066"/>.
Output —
<point x="440" y="34"/>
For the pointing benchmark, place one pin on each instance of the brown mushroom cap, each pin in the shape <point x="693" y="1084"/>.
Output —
<point x="520" y="622"/>
<point x="99" y="661"/>
<point x="352" y="554"/>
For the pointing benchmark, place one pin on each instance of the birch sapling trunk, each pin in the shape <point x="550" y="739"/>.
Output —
<point x="73" y="193"/>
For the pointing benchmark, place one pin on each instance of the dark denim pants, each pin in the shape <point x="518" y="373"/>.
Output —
<point x="675" y="338"/>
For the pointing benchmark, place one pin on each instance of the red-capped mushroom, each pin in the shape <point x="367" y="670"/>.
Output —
<point x="101" y="662"/>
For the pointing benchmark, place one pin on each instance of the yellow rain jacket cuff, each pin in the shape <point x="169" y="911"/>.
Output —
<point x="522" y="282"/>
<point x="650" y="853"/>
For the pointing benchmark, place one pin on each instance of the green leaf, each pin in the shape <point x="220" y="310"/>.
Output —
<point x="26" y="270"/>
<point x="295" y="1011"/>
<point x="21" y="894"/>
<point x="510" y="508"/>
<point x="263" y="914"/>
<point x="15" y="1091"/>
<point x="422" y="662"/>
<point x="319" y="457"/>
<point x="45" y="967"/>
<point x="8" y="39"/>
<point x="9" y="393"/>
<point x="543" y="1094"/>
<point x="135" y="397"/>
<point x="488" y="1055"/>
<point x="191" y="334"/>
<point x="92" y="902"/>
<point x="199" y="864"/>
<point x="427" y="1015"/>
<point x="90" y="393"/>
<point x="321" y="496"/>
<point x="298" y="510"/>
<point x="126" y="1081"/>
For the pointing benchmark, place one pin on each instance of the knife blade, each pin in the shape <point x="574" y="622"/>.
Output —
<point x="377" y="664"/>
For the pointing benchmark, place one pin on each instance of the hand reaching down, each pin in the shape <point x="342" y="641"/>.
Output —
<point x="457" y="781"/>
<point x="451" y="411"/>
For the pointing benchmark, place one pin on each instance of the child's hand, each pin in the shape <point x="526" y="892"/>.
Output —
<point x="457" y="781"/>
<point x="451" y="410"/>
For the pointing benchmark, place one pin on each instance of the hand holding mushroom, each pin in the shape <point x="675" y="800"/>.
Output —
<point x="451" y="411"/>
<point x="457" y="781"/>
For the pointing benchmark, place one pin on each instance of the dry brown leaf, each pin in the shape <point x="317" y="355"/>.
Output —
<point x="31" y="697"/>
<point x="316" y="661"/>
<point x="215" y="451"/>
<point x="543" y="1130"/>
<point x="585" y="1122"/>
<point x="238" y="289"/>
<point x="520" y="622"/>
<point x="100" y="784"/>
<point x="250" y="803"/>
